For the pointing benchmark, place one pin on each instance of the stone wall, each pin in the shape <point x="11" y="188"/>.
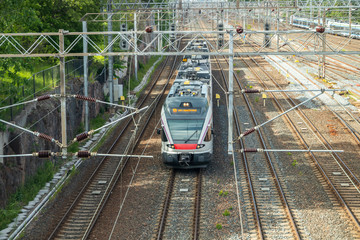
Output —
<point x="43" y="117"/>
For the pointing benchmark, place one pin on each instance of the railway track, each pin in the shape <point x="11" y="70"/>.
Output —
<point x="263" y="180"/>
<point x="340" y="178"/>
<point x="180" y="215"/>
<point x="81" y="216"/>
<point x="346" y="116"/>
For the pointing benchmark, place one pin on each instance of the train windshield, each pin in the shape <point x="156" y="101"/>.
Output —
<point x="185" y="130"/>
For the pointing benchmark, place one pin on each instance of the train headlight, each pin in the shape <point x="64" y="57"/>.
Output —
<point x="200" y="146"/>
<point x="170" y="146"/>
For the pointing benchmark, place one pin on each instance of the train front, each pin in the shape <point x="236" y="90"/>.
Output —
<point x="186" y="120"/>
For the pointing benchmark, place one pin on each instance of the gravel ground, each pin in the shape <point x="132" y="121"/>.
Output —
<point x="313" y="212"/>
<point x="314" y="206"/>
<point x="136" y="216"/>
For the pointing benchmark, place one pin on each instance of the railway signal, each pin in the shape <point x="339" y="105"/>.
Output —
<point x="123" y="43"/>
<point x="220" y="35"/>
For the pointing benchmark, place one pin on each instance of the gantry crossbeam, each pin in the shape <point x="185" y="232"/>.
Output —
<point x="33" y="44"/>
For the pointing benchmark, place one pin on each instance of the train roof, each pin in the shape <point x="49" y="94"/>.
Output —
<point x="188" y="98"/>
<point x="193" y="89"/>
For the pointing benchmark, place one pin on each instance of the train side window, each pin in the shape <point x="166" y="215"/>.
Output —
<point x="163" y="136"/>
<point x="208" y="136"/>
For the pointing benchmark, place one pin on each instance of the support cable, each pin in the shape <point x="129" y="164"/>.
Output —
<point x="291" y="90"/>
<point x="40" y="135"/>
<point x="91" y="99"/>
<point x="85" y="135"/>
<point x="289" y="110"/>
<point x="79" y="154"/>
<point x="38" y="99"/>
<point x="248" y="150"/>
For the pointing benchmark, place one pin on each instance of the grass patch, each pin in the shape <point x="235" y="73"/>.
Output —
<point x="223" y="193"/>
<point x="143" y="68"/>
<point x="73" y="148"/>
<point x="99" y="121"/>
<point x="26" y="193"/>
<point x="218" y="226"/>
<point x="226" y="213"/>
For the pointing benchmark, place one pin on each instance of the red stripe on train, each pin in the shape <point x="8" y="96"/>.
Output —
<point x="185" y="146"/>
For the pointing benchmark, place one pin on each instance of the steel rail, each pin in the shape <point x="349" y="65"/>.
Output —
<point x="321" y="170"/>
<point x="166" y="205"/>
<point x="316" y="131"/>
<point x="135" y="145"/>
<point x="273" y="171"/>
<point x="77" y="199"/>
<point x="196" y="228"/>
<point x="252" y="191"/>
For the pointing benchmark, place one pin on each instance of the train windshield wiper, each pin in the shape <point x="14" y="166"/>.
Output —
<point x="191" y="136"/>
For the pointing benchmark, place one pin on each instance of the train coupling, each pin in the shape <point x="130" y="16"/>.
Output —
<point x="184" y="159"/>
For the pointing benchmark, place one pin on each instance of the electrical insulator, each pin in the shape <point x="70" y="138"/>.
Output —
<point x="81" y="97"/>
<point x="44" y="154"/>
<point x="149" y="29"/>
<point x="44" y="97"/>
<point x="82" y="136"/>
<point x="83" y="154"/>
<point x="320" y="29"/>
<point x="46" y="137"/>
<point x="239" y="29"/>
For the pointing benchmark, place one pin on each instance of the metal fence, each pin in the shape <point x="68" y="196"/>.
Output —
<point x="45" y="81"/>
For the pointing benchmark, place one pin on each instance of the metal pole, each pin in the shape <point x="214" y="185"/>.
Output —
<point x="253" y="150"/>
<point x="62" y="93"/>
<point x="277" y="26"/>
<point x="350" y="22"/>
<point x="135" y="48"/>
<point x="85" y="50"/>
<point x="111" y="58"/>
<point x="159" y="34"/>
<point x="230" y="109"/>
<point x="324" y="46"/>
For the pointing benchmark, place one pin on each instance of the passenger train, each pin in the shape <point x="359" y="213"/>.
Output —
<point x="332" y="26"/>
<point x="187" y="114"/>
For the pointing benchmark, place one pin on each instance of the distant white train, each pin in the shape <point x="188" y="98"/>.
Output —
<point x="331" y="26"/>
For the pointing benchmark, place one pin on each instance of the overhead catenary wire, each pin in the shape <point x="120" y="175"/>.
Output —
<point x="41" y="135"/>
<point x="85" y="135"/>
<point x="38" y="99"/>
<point x="253" y="150"/>
<point x="285" y="112"/>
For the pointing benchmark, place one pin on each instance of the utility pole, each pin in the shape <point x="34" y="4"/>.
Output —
<point x="111" y="58"/>
<point x="135" y="48"/>
<point x="85" y="50"/>
<point x="230" y="109"/>
<point x="62" y="93"/>
<point x="159" y="34"/>
<point x="324" y="45"/>
<point x="350" y="22"/>
<point x="277" y="26"/>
